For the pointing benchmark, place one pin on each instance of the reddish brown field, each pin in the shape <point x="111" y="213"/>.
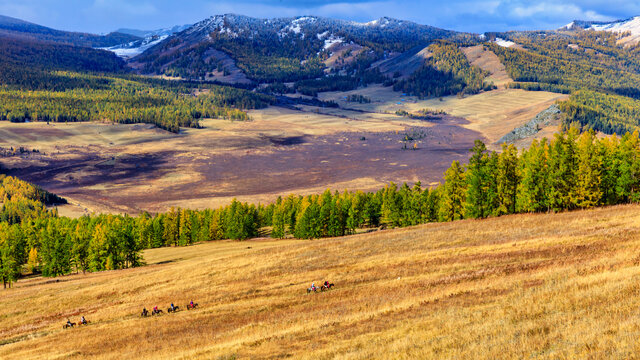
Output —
<point x="121" y="168"/>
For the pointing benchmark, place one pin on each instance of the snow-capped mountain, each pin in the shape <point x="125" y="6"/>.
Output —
<point x="149" y="33"/>
<point x="149" y="39"/>
<point x="631" y="25"/>
<point x="293" y="46"/>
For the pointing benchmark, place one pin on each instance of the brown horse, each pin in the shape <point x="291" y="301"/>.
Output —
<point x="156" y="312"/>
<point x="68" y="325"/>
<point x="326" y="287"/>
<point x="174" y="309"/>
<point x="189" y="307"/>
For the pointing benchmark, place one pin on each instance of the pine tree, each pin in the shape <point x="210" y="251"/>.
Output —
<point x="532" y="189"/>
<point x="453" y="194"/>
<point x="477" y="179"/>
<point x="507" y="179"/>
<point x="587" y="191"/>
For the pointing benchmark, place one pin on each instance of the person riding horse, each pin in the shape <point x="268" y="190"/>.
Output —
<point x="145" y="312"/>
<point x="83" y="321"/>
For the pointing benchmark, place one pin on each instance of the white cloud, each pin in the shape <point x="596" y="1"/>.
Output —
<point x="553" y="10"/>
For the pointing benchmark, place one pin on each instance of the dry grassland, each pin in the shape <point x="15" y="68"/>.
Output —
<point x="525" y="286"/>
<point x="493" y="114"/>
<point x="487" y="60"/>
<point x="127" y="168"/>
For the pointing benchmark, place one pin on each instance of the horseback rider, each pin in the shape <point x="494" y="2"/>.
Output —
<point x="173" y="308"/>
<point x="326" y="284"/>
<point x="155" y="309"/>
<point x="313" y="286"/>
<point x="69" y="322"/>
<point x="144" y="311"/>
<point x="83" y="321"/>
<point x="191" y="304"/>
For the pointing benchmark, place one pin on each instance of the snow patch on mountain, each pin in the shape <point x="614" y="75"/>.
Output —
<point x="632" y="25"/>
<point x="296" y="26"/>
<point x="215" y="23"/>
<point x="136" y="48"/>
<point x="504" y="43"/>
<point x="323" y="35"/>
<point x="332" y="40"/>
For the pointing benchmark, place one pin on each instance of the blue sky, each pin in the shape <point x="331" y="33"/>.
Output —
<point x="102" y="16"/>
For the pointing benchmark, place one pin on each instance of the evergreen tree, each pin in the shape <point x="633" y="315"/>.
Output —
<point x="453" y="194"/>
<point x="587" y="192"/>
<point x="507" y="180"/>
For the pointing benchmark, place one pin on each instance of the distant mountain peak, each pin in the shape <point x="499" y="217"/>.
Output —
<point x="630" y="25"/>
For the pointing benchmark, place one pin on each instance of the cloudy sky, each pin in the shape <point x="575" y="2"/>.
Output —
<point x="100" y="16"/>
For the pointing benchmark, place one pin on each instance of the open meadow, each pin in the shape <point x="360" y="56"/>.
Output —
<point x="493" y="113"/>
<point x="117" y="168"/>
<point x="524" y="286"/>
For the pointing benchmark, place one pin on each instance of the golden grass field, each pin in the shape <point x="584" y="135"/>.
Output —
<point x="487" y="60"/>
<point x="548" y="286"/>
<point x="493" y="113"/>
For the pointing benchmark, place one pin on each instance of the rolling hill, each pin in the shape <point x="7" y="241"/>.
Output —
<point x="541" y="286"/>
<point x="11" y="27"/>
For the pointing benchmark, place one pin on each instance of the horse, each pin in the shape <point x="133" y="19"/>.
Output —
<point x="68" y="325"/>
<point x="156" y="312"/>
<point x="189" y="307"/>
<point x="86" y="322"/>
<point x="175" y="308"/>
<point x="326" y="287"/>
<point x="145" y="313"/>
<point x="314" y="289"/>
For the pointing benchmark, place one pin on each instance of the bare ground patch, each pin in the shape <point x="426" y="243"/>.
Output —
<point x="280" y="152"/>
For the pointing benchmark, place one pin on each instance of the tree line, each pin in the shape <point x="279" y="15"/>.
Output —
<point x="571" y="171"/>
<point x="129" y="101"/>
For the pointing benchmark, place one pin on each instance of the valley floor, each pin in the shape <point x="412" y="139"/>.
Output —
<point x="113" y="168"/>
<point x="524" y="286"/>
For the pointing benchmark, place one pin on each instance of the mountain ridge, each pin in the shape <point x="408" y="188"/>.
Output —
<point x="12" y="27"/>
<point x="282" y="49"/>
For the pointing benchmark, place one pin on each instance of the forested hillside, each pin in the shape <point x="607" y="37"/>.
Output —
<point x="283" y="49"/>
<point x="29" y="64"/>
<point x="15" y="28"/>
<point x="602" y="75"/>
<point x="129" y="100"/>
<point x="446" y="72"/>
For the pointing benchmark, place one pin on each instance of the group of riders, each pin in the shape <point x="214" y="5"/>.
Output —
<point x="325" y="286"/>
<point x="172" y="308"/>
<point x="70" y="324"/>
<point x="191" y="305"/>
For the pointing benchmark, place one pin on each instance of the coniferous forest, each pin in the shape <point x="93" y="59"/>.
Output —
<point x="129" y="100"/>
<point x="570" y="171"/>
<point x="600" y="75"/>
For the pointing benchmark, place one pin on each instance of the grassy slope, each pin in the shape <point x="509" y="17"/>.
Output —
<point x="544" y="286"/>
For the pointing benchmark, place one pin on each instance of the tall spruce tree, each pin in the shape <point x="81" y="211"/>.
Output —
<point x="453" y="194"/>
